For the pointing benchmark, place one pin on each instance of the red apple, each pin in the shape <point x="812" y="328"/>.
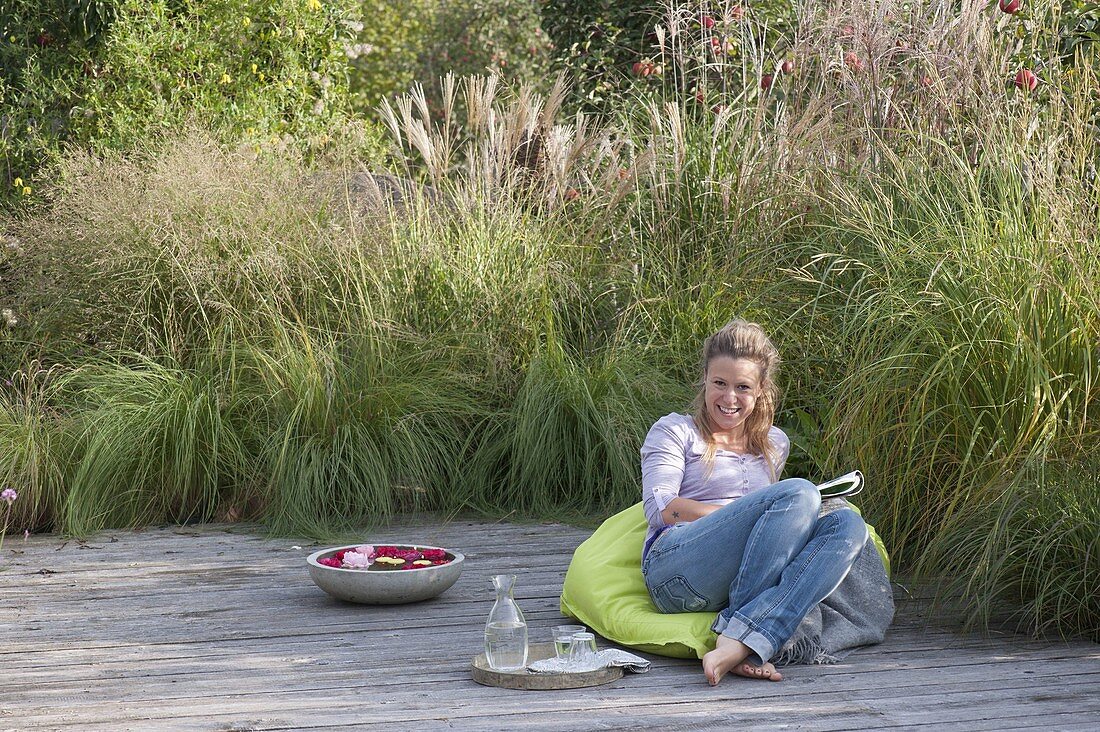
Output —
<point x="637" y="68"/>
<point x="737" y="12"/>
<point x="572" y="194"/>
<point x="1026" y="80"/>
<point x="766" y="81"/>
<point x="1010" y="6"/>
<point x="707" y="21"/>
<point x="699" y="97"/>
<point x="787" y="67"/>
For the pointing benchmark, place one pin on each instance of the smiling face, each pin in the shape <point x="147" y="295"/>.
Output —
<point x="732" y="387"/>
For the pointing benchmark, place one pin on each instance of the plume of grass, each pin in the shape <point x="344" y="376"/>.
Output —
<point x="510" y="145"/>
<point x="359" y="428"/>
<point x="1029" y="558"/>
<point x="154" y="443"/>
<point x="166" y="247"/>
<point x="569" y="442"/>
<point x="34" y="446"/>
<point x="968" y="329"/>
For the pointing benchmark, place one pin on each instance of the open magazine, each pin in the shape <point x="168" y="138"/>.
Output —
<point x="843" y="486"/>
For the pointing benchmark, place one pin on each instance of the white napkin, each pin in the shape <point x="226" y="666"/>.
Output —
<point x="603" y="659"/>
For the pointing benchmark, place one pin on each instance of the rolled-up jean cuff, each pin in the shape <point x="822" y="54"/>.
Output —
<point x="762" y="646"/>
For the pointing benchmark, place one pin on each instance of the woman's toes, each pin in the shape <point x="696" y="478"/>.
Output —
<point x="750" y="671"/>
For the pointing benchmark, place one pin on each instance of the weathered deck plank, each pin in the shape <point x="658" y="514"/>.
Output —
<point x="219" y="628"/>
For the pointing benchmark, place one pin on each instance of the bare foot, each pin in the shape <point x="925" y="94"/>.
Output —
<point x="729" y="656"/>
<point x="751" y="671"/>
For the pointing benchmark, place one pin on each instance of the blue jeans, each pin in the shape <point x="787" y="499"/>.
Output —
<point x="763" y="561"/>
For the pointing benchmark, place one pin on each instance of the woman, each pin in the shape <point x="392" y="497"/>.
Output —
<point x="724" y="535"/>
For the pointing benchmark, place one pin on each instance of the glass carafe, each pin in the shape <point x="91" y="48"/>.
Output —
<point x="505" y="630"/>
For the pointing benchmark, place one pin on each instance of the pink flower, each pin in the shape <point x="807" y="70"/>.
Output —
<point x="388" y="557"/>
<point x="9" y="495"/>
<point x="355" y="560"/>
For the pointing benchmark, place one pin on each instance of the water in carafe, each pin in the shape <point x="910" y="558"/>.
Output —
<point x="505" y="630"/>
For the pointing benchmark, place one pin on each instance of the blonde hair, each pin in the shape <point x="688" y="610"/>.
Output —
<point x="742" y="339"/>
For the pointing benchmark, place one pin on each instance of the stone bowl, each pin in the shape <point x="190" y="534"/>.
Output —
<point x="388" y="587"/>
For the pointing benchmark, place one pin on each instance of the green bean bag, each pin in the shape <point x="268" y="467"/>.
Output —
<point x="604" y="589"/>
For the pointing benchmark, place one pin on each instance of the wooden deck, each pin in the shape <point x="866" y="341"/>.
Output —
<point x="219" y="628"/>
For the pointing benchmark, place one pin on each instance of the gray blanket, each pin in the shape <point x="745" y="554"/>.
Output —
<point x="857" y="613"/>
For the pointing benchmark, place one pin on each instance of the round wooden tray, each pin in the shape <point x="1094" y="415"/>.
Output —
<point x="524" y="679"/>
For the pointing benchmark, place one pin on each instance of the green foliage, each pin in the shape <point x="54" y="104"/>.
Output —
<point x="570" y="440"/>
<point x="501" y="341"/>
<point x="43" y="54"/>
<point x="35" y="445"/>
<point x="110" y="75"/>
<point x="1029" y="557"/>
<point x="1076" y="26"/>
<point x="355" y="431"/>
<point x="476" y="36"/>
<point x="422" y="40"/>
<point x="1060" y="44"/>
<point x="385" y="54"/>
<point x="941" y="348"/>
<point x="154" y="443"/>
<point x="598" y="44"/>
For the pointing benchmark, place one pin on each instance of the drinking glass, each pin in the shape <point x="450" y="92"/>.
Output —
<point x="563" y="638"/>
<point x="582" y="648"/>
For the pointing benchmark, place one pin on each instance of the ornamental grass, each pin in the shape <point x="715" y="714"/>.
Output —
<point x="208" y="334"/>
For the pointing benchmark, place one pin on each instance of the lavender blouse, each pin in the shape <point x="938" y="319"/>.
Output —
<point x="672" y="465"/>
